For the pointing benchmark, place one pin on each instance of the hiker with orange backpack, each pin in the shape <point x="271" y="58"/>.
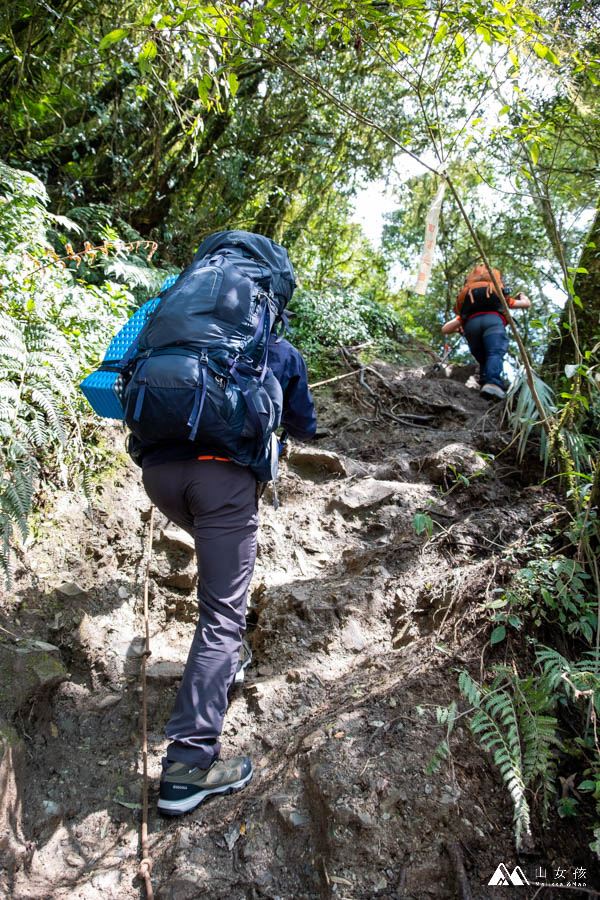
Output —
<point x="480" y="317"/>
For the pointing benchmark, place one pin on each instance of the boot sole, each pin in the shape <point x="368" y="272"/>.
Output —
<point x="492" y="395"/>
<point x="179" y="807"/>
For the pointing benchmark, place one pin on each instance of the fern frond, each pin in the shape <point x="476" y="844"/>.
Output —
<point x="134" y="274"/>
<point x="8" y="391"/>
<point x="5" y="549"/>
<point x="16" y="494"/>
<point x="440" y="754"/>
<point x="51" y="411"/>
<point x="470" y="690"/>
<point x="512" y="721"/>
<point x="13" y="356"/>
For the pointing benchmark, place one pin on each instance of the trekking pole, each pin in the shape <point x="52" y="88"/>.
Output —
<point x="145" y="867"/>
<point x="316" y="384"/>
<point x="443" y="358"/>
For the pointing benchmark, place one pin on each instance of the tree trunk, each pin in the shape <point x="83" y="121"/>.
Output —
<point x="561" y="349"/>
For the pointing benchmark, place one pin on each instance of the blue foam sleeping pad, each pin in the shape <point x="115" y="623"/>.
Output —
<point x="104" y="390"/>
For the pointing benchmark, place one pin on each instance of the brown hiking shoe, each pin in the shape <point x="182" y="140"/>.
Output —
<point x="184" y="787"/>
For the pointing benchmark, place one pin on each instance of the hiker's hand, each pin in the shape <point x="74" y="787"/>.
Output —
<point x="523" y="300"/>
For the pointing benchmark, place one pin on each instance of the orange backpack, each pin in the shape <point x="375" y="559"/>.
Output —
<point x="479" y="277"/>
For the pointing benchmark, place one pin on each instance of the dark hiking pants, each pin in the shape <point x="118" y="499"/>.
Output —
<point x="488" y="342"/>
<point x="216" y="503"/>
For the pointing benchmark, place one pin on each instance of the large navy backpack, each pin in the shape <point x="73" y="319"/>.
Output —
<point x="198" y="369"/>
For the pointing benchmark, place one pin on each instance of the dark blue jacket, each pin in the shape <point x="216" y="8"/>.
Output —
<point x="289" y="368"/>
<point x="298" y="418"/>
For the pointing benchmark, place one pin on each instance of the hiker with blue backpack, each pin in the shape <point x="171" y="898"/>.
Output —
<point x="480" y="318"/>
<point x="204" y="386"/>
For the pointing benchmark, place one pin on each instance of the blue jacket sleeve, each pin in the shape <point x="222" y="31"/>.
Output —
<point x="289" y="368"/>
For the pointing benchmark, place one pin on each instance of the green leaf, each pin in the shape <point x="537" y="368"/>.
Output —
<point x="545" y="53"/>
<point x="459" y="43"/>
<point x="112" y="37"/>
<point x="498" y="634"/>
<point x="419" y="522"/>
<point x="484" y="32"/>
<point x="577" y="301"/>
<point x="423" y="522"/>
<point x="127" y="804"/>
<point x="513" y="58"/>
<point x="202" y="92"/>
<point x="148" y="51"/>
<point x="233" y="82"/>
<point x="504" y="110"/>
<point x="534" y="150"/>
<point x="440" y="34"/>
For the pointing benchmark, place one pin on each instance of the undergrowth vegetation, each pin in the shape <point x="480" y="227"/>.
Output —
<point x="333" y="317"/>
<point x="538" y="716"/>
<point x="54" y="326"/>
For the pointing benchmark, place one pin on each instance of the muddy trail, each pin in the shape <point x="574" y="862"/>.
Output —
<point x="358" y="627"/>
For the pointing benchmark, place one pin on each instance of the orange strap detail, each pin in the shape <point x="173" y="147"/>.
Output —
<point x="217" y="458"/>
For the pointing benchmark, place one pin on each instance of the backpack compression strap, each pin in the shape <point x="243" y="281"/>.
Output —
<point x="200" y="397"/>
<point x="282" y="325"/>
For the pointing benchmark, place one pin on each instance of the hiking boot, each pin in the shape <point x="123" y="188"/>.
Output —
<point x="243" y="662"/>
<point x="182" y="787"/>
<point x="492" y="392"/>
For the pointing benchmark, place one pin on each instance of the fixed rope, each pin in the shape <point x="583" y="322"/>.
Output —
<point x="145" y="867"/>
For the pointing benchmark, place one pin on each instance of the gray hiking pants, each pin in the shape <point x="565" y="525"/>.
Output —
<point x="216" y="503"/>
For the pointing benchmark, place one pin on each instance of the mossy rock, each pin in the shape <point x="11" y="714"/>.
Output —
<point x="8" y="738"/>
<point x="27" y="673"/>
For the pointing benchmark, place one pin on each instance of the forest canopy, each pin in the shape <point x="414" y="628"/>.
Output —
<point x="145" y="127"/>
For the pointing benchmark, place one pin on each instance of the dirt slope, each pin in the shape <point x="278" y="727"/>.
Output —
<point x="358" y="627"/>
